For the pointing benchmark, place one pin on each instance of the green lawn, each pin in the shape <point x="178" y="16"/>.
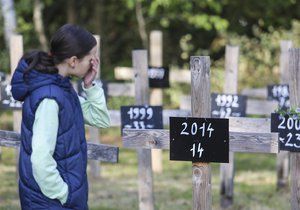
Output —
<point x="255" y="181"/>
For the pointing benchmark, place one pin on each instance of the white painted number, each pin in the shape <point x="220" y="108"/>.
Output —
<point x="140" y="113"/>
<point x="194" y="129"/>
<point x="223" y="100"/>
<point x="199" y="150"/>
<point x="288" y="144"/>
<point x="183" y="132"/>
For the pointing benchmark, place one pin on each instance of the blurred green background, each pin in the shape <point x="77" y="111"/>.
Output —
<point x="194" y="27"/>
<point x="189" y="27"/>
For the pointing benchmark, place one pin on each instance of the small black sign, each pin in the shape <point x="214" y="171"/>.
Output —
<point x="158" y="77"/>
<point x="288" y="129"/>
<point x="228" y="105"/>
<point x="141" y="117"/>
<point x="281" y="94"/>
<point x="199" y="139"/>
<point x="6" y="99"/>
<point x="83" y="94"/>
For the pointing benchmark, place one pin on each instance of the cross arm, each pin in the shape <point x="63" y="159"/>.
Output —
<point x="238" y="141"/>
<point x="102" y="152"/>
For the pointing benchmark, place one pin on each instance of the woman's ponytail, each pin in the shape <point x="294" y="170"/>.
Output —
<point x="40" y="61"/>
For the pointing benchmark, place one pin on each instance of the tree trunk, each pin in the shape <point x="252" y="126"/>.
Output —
<point x="141" y="23"/>
<point x="97" y="21"/>
<point x="9" y="16"/>
<point x="71" y="11"/>
<point x="38" y="23"/>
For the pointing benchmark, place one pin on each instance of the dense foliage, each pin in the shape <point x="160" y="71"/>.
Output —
<point x="189" y="28"/>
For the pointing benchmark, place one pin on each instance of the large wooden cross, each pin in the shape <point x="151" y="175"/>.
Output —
<point x="246" y="138"/>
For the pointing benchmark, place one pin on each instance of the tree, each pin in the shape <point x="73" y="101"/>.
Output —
<point x="9" y="15"/>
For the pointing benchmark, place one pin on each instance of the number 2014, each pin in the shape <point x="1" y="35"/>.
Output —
<point x="194" y="129"/>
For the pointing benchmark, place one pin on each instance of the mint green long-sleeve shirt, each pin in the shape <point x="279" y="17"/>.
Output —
<point x="44" y="137"/>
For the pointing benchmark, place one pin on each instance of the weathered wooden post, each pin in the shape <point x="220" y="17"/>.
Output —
<point x="94" y="132"/>
<point x="16" y="52"/>
<point x="156" y="94"/>
<point x="230" y="87"/>
<point x="140" y="67"/>
<point x="283" y="156"/>
<point x="294" y="85"/>
<point x="200" y="106"/>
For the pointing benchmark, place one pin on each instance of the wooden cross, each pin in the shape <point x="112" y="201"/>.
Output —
<point x="240" y="140"/>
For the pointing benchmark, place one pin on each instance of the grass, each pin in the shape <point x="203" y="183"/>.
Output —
<point x="117" y="189"/>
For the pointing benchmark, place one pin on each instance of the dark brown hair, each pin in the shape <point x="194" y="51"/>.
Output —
<point x="69" y="40"/>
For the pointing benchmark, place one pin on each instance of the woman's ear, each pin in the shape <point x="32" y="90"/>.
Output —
<point x="72" y="62"/>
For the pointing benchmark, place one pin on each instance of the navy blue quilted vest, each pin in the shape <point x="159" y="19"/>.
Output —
<point x="71" y="148"/>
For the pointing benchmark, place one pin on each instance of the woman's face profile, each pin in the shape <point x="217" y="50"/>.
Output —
<point x="84" y="64"/>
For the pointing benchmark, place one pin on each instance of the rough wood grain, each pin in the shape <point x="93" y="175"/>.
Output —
<point x="246" y="124"/>
<point x="145" y="179"/>
<point x="238" y="141"/>
<point x="101" y="152"/>
<point x="16" y="52"/>
<point x="156" y="94"/>
<point x="201" y="107"/>
<point x="294" y="85"/>
<point x="282" y="165"/>
<point x="95" y="169"/>
<point x="230" y="87"/>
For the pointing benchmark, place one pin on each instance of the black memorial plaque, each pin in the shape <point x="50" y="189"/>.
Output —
<point x="158" y="77"/>
<point x="281" y="94"/>
<point x="6" y="99"/>
<point x="228" y="105"/>
<point x="288" y="129"/>
<point x="83" y="94"/>
<point x="141" y="117"/>
<point x="199" y="139"/>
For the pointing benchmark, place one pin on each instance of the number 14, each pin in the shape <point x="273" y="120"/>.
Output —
<point x="199" y="150"/>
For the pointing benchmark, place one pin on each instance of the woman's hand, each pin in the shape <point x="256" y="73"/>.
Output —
<point x="91" y="74"/>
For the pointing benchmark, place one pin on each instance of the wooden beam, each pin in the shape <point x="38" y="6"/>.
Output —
<point x="254" y="106"/>
<point x="181" y="75"/>
<point x="156" y="94"/>
<point x="261" y="107"/>
<point x="15" y="54"/>
<point x="236" y="124"/>
<point x="120" y="89"/>
<point x="100" y="152"/>
<point x="95" y="169"/>
<point x="145" y="177"/>
<point x="259" y="93"/>
<point x="230" y="87"/>
<point x="238" y="141"/>
<point x="294" y="85"/>
<point x="201" y="107"/>
<point x="283" y="158"/>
